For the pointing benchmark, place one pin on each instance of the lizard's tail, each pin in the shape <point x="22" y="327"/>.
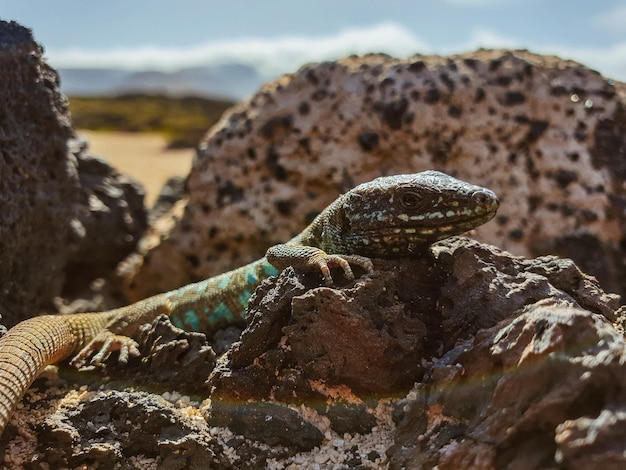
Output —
<point x="28" y="347"/>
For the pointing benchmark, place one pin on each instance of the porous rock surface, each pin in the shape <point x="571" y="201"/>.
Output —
<point x="66" y="217"/>
<point x="545" y="389"/>
<point x="547" y="135"/>
<point x="466" y="357"/>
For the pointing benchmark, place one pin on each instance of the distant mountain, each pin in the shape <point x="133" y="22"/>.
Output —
<point x="233" y="81"/>
<point x="90" y="81"/>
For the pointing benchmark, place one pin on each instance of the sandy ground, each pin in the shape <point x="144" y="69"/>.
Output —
<point x="142" y="156"/>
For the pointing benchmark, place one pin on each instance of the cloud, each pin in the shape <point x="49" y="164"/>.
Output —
<point x="612" y="20"/>
<point x="273" y="57"/>
<point x="270" y="56"/>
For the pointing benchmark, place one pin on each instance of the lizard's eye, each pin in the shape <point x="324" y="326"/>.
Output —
<point x="410" y="199"/>
<point x="482" y="197"/>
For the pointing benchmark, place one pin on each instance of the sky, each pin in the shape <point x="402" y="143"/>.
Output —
<point x="278" y="36"/>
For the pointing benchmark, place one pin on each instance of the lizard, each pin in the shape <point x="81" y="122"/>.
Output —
<point x="390" y="216"/>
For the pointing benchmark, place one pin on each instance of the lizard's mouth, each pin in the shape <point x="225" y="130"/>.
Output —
<point x="412" y="238"/>
<point x="450" y="226"/>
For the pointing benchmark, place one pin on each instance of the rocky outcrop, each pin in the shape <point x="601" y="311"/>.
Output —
<point x="66" y="216"/>
<point x="547" y="135"/>
<point x="465" y="357"/>
<point x="544" y="389"/>
<point x="376" y="336"/>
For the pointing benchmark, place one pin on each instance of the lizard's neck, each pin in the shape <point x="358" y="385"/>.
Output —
<point x="325" y="232"/>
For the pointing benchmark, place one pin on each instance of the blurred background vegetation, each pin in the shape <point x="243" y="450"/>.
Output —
<point x="182" y="120"/>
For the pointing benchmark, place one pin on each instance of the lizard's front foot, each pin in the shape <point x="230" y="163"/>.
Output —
<point x="325" y="262"/>
<point x="100" y="348"/>
<point x="309" y="258"/>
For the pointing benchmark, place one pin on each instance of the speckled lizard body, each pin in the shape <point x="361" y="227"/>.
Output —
<point x="388" y="217"/>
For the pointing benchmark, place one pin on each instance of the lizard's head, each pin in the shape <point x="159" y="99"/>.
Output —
<point x="396" y="215"/>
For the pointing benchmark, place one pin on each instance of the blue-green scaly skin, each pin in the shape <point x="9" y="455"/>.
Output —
<point x="219" y="301"/>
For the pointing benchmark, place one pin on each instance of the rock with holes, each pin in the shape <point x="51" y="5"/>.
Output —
<point x="66" y="217"/>
<point x="547" y="135"/>
<point x="544" y="389"/>
<point x="375" y="335"/>
<point x="466" y="357"/>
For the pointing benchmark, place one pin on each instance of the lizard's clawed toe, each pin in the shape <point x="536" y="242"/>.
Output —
<point x="99" y="349"/>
